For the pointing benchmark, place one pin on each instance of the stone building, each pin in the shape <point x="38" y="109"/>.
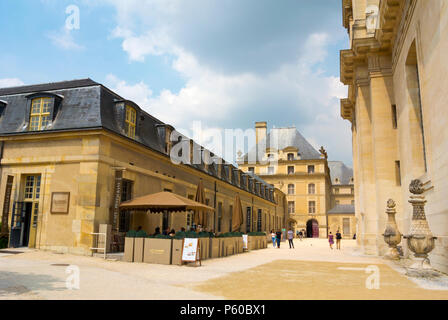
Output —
<point x="72" y="151"/>
<point x="396" y="71"/>
<point x="284" y="158"/>
<point x="341" y="216"/>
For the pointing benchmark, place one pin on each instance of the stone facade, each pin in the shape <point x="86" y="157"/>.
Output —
<point x="286" y="160"/>
<point x="396" y="71"/>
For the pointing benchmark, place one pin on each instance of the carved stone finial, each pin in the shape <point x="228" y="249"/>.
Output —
<point x="416" y="187"/>
<point x="390" y="203"/>
<point x="323" y="152"/>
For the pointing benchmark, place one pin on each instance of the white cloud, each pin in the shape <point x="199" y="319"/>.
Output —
<point x="10" y="82"/>
<point x="139" y="93"/>
<point x="298" y="89"/>
<point x="64" y="39"/>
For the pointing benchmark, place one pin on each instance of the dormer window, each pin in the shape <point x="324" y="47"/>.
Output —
<point x="290" y="156"/>
<point x="40" y="115"/>
<point x="130" y="122"/>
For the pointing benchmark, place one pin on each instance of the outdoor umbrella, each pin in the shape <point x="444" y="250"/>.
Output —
<point x="200" y="216"/>
<point x="237" y="214"/>
<point x="158" y="202"/>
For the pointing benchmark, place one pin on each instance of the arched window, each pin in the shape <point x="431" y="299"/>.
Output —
<point x="311" y="188"/>
<point x="130" y="121"/>
<point x="291" y="189"/>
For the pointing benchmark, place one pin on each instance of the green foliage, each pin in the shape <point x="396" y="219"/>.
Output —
<point x="3" y="242"/>
<point x="131" y="234"/>
<point x="140" y="234"/>
<point x="256" y="234"/>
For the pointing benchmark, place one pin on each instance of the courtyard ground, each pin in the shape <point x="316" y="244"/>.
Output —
<point x="310" y="271"/>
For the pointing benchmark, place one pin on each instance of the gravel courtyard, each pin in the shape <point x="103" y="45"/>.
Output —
<point x="310" y="271"/>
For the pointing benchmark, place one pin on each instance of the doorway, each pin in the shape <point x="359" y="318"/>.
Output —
<point x="312" y="229"/>
<point x="21" y="224"/>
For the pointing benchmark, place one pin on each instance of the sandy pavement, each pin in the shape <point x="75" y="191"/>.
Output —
<point x="312" y="267"/>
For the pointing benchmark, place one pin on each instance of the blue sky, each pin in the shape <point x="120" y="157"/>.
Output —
<point x="226" y="63"/>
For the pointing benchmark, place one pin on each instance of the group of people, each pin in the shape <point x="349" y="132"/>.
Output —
<point x="172" y="232"/>
<point x="338" y="240"/>
<point x="277" y="237"/>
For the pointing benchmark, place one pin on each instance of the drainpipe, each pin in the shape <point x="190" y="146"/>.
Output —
<point x="214" y="213"/>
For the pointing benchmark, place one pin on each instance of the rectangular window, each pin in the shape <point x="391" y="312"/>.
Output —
<point x="291" y="189"/>
<point x="310" y="169"/>
<point x="125" y="216"/>
<point x="291" y="207"/>
<point x="394" y="116"/>
<point x="290" y="156"/>
<point x="311" y="188"/>
<point x="312" y="207"/>
<point x="252" y="169"/>
<point x="346" y="226"/>
<point x="219" y="216"/>
<point x="248" y="218"/>
<point x="270" y="170"/>
<point x="32" y="187"/>
<point x="259" y="220"/>
<point x="230" y="218"/>
<point x="290" y="169"/>
<point x="336" y="190"/>
<point x="397" y="173"/>
<point x="130" y="121"/>
<point x="40" y="113"/>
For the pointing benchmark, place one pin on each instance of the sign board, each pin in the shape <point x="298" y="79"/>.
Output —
<point x="6" y="204"/>
<point x="244" y="241"/>
<point x="60" y="202"/>
<point x="190" y="250"/>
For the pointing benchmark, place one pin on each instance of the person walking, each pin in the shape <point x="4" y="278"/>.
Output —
<point x="338" y="240"/>
<point x="278" y="238"/>
<point x="291" y="238"/>
<point x="330" y="240"/>
<point x="273" y="235"/>
<point x="300" y="235"/>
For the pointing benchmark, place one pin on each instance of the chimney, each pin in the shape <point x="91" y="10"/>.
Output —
<point x="260" y="131"/>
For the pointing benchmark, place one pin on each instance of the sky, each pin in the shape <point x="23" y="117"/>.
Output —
<point x="225" y="63"/>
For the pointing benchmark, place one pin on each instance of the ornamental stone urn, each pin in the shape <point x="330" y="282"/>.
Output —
<point x="420" y="239"/>
<point x="392" y="235"/>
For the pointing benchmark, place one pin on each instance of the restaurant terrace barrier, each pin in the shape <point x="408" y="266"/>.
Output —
<point x="166" y="250"/>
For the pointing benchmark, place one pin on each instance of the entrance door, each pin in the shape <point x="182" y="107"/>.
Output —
<point x="312" y="229"/>
<point x="19" y="224"/>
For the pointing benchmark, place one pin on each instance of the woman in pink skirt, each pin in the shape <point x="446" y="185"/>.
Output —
<point x="330" y="240"/>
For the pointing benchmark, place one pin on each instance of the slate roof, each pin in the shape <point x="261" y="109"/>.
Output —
<point x="342" y="208"/>
<point x="340" y="171"/>
<point x="49" y="86"/>
<point x="281" y="138"/>
<point x="86" y="104"/>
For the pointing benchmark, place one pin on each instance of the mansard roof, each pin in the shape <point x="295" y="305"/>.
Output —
<point x="85" y="104"/>
<point x="338" y="170"/>
<point x="280" y="139"/>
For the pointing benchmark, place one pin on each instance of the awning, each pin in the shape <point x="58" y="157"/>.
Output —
<point x="161" y="201"/>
